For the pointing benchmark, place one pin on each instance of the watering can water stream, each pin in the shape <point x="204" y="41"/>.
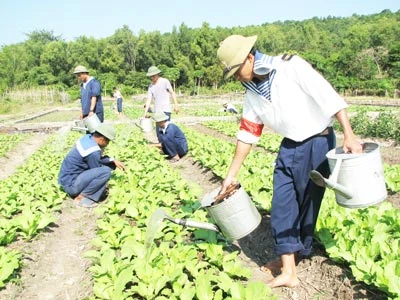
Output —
<point x="356" y="179"/>
<point x="233" y="211"/>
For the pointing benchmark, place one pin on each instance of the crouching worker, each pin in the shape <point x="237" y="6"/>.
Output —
<point x="85" y="171"/>
<point x="172" y="140"/>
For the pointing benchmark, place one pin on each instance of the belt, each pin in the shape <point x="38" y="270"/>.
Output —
<point x="326" y="131"/>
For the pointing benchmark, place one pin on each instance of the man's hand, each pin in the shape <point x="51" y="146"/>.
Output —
<point x="228" y="181"/>
<point x="352" y="146"/>
<point x="119" y="165"/>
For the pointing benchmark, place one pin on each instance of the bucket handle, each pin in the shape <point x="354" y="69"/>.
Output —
<point x="229" y="191"/>
<point x="335" y="172"/>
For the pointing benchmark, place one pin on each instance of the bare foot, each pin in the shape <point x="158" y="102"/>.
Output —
<point x="274" y="266"/>
<point x="285" y="279"/>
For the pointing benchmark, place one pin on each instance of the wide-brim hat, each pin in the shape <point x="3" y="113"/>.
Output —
<point x="106" y="130"/>
<point x="159" y="117"/>
<point x="80" y="69"/>
<point x="233" y="51"/>
<point x="153" y="70"/>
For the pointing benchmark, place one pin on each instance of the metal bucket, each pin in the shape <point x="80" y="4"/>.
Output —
<point x="236" y="216"/>
<point x="91" y="122"/>
<point x="146" y="124"/>
<point x="361" y="174"/>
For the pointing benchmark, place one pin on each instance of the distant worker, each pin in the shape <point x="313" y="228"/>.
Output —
<point x="91" y="101"/>
<point x="172" y="140"/>
<point x="228" y="107"/>
<point x="118" y="98"/>
<point x="160" y="90"/>
<point x="85" y="171"/>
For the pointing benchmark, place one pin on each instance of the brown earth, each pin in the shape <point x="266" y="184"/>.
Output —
<point x="54" y="267"/>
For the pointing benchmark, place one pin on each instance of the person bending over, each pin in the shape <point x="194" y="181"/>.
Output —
<point x="172" y="140"/>
<point x="85" y="172"/>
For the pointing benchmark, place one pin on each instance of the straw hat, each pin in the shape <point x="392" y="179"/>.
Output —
<point x="107" y="131"/>
<point x="159" y="117"/>
<point x="233" y="51"/>
<point x="80" y="69"/>
<point x="153" y="70"/>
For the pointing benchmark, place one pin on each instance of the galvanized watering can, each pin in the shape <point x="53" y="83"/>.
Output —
<point x="146" y="124"/>
<point x="234" y="213"/>
<point x="91" y="122"/>
<point x="88" y="124"/>
<point x="356" y="179"/>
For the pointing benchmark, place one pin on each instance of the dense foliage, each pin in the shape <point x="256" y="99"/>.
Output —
<point x="357" y="54"/>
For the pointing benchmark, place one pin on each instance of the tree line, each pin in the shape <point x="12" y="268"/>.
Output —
<point x="361" y="52"/>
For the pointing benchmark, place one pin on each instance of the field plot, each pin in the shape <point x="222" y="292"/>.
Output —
<point x="50" y="249"/>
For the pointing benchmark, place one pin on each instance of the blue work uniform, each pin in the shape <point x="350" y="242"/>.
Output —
<point x="92" y="89"/>
<point x="172" y="140"/>
<point x="84" y="171"/>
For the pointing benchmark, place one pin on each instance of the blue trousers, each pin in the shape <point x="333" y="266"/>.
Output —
<point x="90" y="183"/>
<point x="119" y="104"/>
<point x="296" y="199"/>
<point x="171" y="147"/>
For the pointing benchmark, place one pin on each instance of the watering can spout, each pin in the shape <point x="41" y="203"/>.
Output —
<point x="195" y="224"/>
<point x="321" y="181"/>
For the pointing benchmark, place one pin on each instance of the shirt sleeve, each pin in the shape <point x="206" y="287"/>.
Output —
<point x="168" y="85"/>
<point x="95" y="89"/>
<point x="251" y="125"/>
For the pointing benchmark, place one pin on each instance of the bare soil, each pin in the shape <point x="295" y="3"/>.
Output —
<point x="54" y="267"/>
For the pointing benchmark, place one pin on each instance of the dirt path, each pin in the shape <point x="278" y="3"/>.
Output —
<point x="53" y="264"/>
<point x="20" y="154"/>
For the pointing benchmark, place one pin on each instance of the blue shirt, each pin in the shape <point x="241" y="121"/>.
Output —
<point x="92" y="89"/>
<point x="84" y="156"/>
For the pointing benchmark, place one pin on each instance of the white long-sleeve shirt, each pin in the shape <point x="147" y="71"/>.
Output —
<point x="303" y="104"/>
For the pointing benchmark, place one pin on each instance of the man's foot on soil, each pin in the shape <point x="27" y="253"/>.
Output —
<point x="284" y="279"/>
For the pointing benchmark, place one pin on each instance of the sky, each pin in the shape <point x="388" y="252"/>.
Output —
<point x="100" y="18"/>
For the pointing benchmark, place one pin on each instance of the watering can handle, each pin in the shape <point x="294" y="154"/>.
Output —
<point x="233" y="187"/>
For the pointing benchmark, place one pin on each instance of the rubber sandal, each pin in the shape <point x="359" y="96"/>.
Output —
<point x="87" y="203"/>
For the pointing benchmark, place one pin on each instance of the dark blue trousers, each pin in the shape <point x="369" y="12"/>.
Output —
<point x="296" y="199"/>
<point x="90" y="183"/>
<point x="119" y="104"/>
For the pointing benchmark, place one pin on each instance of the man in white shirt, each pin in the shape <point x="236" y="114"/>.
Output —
<point x="289" y="96"/>
<point x="160" y="90"/>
